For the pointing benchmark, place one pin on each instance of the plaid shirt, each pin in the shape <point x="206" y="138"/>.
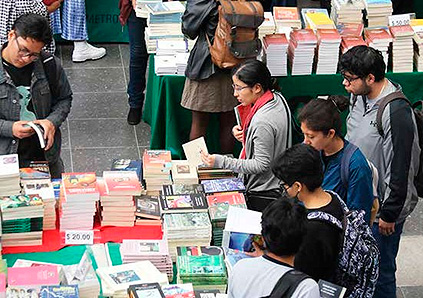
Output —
<point x="10" y="10"/>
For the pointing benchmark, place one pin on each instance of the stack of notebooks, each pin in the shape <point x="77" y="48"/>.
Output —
<point x="22" y="222"/>
<point x="78" y="205"/>
<point x="380" y="39"/>
<point x="203" y="266"/>
<point x="327" y="56"/>
<point x="147" y="210"/>
<point x="218" y="208"/>
<point x="301" y="49"/>
<point x="402" y="48"/>
<point x="9" y="175"/>
<point x="186" y="229"/>
<point x="347" y="11"/>
<point x="179" y="198"/>
<point x="417" y="25"/>
<point x="378" y="12"/>
<point x="156" y="169"/>
<point x="115" y="280"/>
<point x="155" y="251"/>
<point x="268" y="26"/>
<point x="183" y="172"/>
<point x="319" y="20"/>
<point x="275" y="48"/>
<point x="286" y="18"/>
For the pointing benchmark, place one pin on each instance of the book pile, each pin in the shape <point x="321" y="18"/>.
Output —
<point x="186" y="229"/>
<point x="417" y="25"/>
<point x="203" y="266"/>
<point x="115" y="280"/>
<point x="30" y="279"/>
<point x="147" y="210"/>
<point x="181" y="63"/>
<point x="78" y="205"/>
<point x="128" y="165"/>
<point x="347" y="11"/>
<point x="155" y="251"/>
<point x="171" y="57"/>
<point x="275" y="47"/>
<point x="218" y="208"/>
<point x="268" y="26"/>
<point x="301" y="49"/>
<point x="165" y="65"/>
<point x="328" y="45"/>
<point x="22" y="222"/>
<point x="232" y="256"/>
<point x="319" y="20"/>
<point x="378" y="12"/>
<point x="156" y="169"/>
<point x="223" y="185"/>
<point x="286" y="18"/>
<point x="206" y="173"/>
<point x="347" y="29"/>
<point x="402" y="48"/>
<point x="379" y="39"/>
<point x="178" y="198"/>
<point x="183" y="172"/>
<point x="9" y="175"/>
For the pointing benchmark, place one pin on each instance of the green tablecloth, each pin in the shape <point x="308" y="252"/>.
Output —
<point x="170" y="123"/>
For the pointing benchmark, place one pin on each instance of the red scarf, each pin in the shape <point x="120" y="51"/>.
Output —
<point x="265" y="98"/>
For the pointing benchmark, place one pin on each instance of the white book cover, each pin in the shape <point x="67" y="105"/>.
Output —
<point x="131" y="247"/>
<point x="193" y="151"/>
<point x="9" y="165"/>
<point x="243" y="221"/>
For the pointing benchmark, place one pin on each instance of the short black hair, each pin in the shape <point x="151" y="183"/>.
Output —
<point x="33" y="26"/>
<point x="283" y="226"/>
<point x="362" y="61"/>
<point x="300" y="163"/>
<point x="253" y="72"/>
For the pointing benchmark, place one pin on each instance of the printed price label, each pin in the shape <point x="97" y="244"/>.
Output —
<point x="79" y="237"/>
<point x="399" y="20"/>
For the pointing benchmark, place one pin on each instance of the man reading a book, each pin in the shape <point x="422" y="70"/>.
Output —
<point x="33" y="88"/>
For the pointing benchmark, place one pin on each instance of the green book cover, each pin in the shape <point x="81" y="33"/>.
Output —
<point x="201" y="266"/>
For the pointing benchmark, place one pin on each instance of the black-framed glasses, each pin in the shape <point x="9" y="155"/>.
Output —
<point x="284" y="187"/>
<point x="348" y="78"/>
<point x="239" y="88"/>
<point x="24" y="53"/>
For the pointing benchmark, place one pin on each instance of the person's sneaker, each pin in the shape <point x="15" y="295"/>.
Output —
<point x="87" y="52"/>
<point x="134" y="116"/>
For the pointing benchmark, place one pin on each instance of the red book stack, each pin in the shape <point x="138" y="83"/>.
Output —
<point x="402" y="48"/>
<point x="380" y="39"/>
<point x="302" y="45"/>
<point x="275" y="49"/>
<point x="328" y="44"/>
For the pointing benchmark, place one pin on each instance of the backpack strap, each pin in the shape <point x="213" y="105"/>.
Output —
<point x="50" y="70"/>
<point x="323" y="216"/>
<point x="290" y="120"/>
<point x="397" y="95"/>
<point x="349" y="150"/>
<point x="287" y="284"/>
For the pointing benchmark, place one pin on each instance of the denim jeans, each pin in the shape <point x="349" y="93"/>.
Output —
<point x="388" y="246"/>
<point x="137" y="61"/>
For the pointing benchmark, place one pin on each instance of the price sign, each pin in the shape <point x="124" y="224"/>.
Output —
<point x="399" y="20"/>
<point x="79" y="237"/>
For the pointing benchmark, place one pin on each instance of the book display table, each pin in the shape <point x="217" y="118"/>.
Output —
<point x="170" y="122"/>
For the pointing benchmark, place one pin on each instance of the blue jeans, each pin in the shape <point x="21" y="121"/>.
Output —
<point x="388" y="246"/>
<point x="137" y="61"/>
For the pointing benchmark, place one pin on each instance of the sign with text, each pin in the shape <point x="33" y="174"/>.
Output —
<point x="399" y="20"/>
<point x="78" y="237"/>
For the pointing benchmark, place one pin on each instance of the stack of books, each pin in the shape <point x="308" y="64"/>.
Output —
<point x="186" y="229"/>
<point x="22" y="222"/>
<point x="218" y="208"/>
<point x="179" y="198"/>
<point x="329" y="41"/>
<point x="379" y="39"/>
<point x="155" y="251"/>
<point x="169" y="47"/>
<point x="183" y="172"/>
<point x="350" y="41"/>
<point x="286" y="18"/>
<point x="203" y="266"/>
<point x="319" y="20"/>
<point x="347" y="11"/>
<point x="275" y="49"/>
<point x="165" y="65"/>
<point x="417" y="25"/>
<point x="402" y="48"/>
<point x="9" y="175"/>
<point x="378" y="12"/>
<point x="302" y="45"/>
<point x="347" y="29"/>
<point x="171" y="57"/>
<point x="78" y="205"/>
<point x="206" y="173"/>
<point x="147" y="210"/>
<point x="156" y="169"/>
<point x="268" y="26"/>
<point x="181" y="63"/>
<point x="115" y="280"/>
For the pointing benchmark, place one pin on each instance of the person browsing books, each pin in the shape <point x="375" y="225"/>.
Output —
<point x="264" y="133"/>
<point x="33" y="86"/>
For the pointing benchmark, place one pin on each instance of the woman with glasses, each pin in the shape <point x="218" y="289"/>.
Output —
<point x="264" y="133"/>
<point x="346" y="170"/>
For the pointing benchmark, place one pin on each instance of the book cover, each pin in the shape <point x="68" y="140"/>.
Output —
<point x="199" y="251"/>
<point x="144" y="247"/>
<point x="193" y="149"/>
<point x="243" y="241"/>
<point x="201" y="266"/>
<point x="181" y="169"/>
<point x="179" y="291"/>
<point x="405" y="30"/>
<point x="182" y="189"/>
<point x="33" y="276"/>
<point x="165" y="7"/>
<point x="79" y="183"/>
<point x="146" y="290"/>
<point x="232" y="256"/>
<point x="122" y="182"/>
<point x="223" y="185"/>
<point x="330" y="290"/>
<point x="17" y="201"/>
<point x="219" y="204"/>
<point x="128" y="165"/>
<point x="189" y="220"/>
<point x="70" y="291"/>
<point x="378" y="34"/>
<point x="9" y="165"/>
<point x="241" y="112"/>
<point x="147" y="206"/>
<point x="179" y="203"/>
<point x="304" y="36"/>
<point x="206" y="293"/>
<point x="157" y="159"/>
<point x="36" y="170"/>
<point x="39" y="131"/>
<point x="354" y="29"/>
<point x="328" y="35"/>
<point x="285" y="13"/>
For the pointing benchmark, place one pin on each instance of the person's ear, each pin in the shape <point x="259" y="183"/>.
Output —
<point x="257" y="88"/>
<point x="370" y="79"/>
<point x="11" y="35"/>
<point x="298" y="185"/>
<point x="331" y="133"/>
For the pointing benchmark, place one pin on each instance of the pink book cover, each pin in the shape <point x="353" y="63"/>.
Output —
<point x="121" y="181"/>
<point x="79" y="183"/>
<point x="279" y="38"/>
<point x="405" y="30"/>
<point x="31" y="276"/>
<point x="377" y="34"/>
<point x="229" y="198"/>
<point x="350" y="29"/>
<point x="306" y="36"/>
<point x="352" y="41"/>
<point x="328" y="34"/>
<point x="285" y="13"/>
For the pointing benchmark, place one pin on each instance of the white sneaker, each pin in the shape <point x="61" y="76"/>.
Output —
<point x="84" y="51"/>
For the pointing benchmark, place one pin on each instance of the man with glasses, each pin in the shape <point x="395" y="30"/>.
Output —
<point x="394" y="153"/>
<point x="33" y="88"/>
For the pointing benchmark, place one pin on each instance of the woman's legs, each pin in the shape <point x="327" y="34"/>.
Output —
<point x="200" y="121"/>
<point x="227" y="141"/>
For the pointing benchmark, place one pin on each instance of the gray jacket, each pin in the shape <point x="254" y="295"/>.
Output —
<point x="396" y="155"/>
<point x="268" y="135"/>
<point x="46" y="106"/>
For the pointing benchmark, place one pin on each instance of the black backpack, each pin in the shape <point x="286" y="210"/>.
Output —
<point x="287" y="284"/>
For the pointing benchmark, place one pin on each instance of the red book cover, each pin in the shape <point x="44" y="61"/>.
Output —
<point x="285" y="13"/>
<point x="33" y="276"/>
<point x="226" y="198"/>
<point x="122" y="182"/>
<point x="352" y="41"/>
<point x="405" y="30"/>
<point x="377" y="34"/>
<point x="278" y="38"/>
<point x="304" y="36"/>
<point x="241" y="113"/>
<point x="156" y="158"/>
<point x="350" y="29"/>
<point x="79" y="183"/>
<point x="328" y="34"/>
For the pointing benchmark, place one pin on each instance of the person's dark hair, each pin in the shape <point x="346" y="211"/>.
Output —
<point x="362" y="61"/>
<point x="33" y="26"/>
<point x="324" y="114"/>
<point x="253" y="72"/>
<point x="300" y="163"/>
<point x="283" y="226"/>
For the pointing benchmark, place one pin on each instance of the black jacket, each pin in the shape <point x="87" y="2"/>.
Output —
<point x="200" y="18"/>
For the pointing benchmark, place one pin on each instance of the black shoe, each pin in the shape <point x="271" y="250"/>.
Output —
<point x="134" y="116"/>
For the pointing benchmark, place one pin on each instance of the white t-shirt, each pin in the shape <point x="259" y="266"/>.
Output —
<point x="256" y="277"/>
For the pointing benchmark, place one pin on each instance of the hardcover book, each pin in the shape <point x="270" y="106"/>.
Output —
<point x="223" y="185"/>
<point x="219" y="204"/>
<point x="183" y="203"/>
<point x="182" y="189"/>
<point x="147" y="206"/>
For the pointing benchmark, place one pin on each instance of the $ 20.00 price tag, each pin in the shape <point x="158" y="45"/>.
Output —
<point x="79" y="237"/>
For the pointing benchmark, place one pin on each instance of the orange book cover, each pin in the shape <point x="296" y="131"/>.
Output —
<point x="285" y="13"/>
<point x="74" y="183"/>
<point x="328" y="34"/>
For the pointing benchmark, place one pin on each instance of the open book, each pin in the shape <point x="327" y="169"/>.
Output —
<point x="39" y="130"/>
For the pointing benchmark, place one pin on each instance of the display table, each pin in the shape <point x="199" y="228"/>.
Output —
<point x="170" y="123"/>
